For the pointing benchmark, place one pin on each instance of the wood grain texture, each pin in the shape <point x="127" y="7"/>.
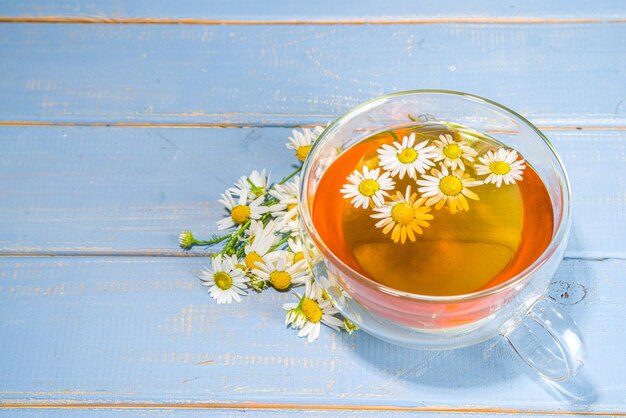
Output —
<point x="318" y="10"/>
<point x="118" y="330"/>
<point x="83" y="190"/>
<point x="565" y="74"/>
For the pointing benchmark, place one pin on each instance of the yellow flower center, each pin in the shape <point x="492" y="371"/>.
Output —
<point x="402" y="213"/>
<point x="312" y="311"/>
<point x="499" y="167"/>
<point x="302" y="152"/>
<point x="223" y="280"/>
<point x="369" y="187"/>
<point x="281" y="280"/>
<point x="407" y="156"/>
<point x="251" y="260"/>
<point x="451" y="185"/>
<point x="240" y="214"/>
<point x="452" y="151"/>
<point x="298" y="257"/>
<point x="291" y="206"/>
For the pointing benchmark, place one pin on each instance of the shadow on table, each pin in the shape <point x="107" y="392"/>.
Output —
<point x="492" y="364"/>
<point x="486" y="364"/>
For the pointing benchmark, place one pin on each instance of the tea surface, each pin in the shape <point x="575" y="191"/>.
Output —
<point x="463" y="229"/>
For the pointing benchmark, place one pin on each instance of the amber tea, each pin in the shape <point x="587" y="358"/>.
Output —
<point x="433" y="209"/>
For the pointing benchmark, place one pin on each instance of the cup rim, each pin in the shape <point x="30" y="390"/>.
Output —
<point x="522" y="276"/>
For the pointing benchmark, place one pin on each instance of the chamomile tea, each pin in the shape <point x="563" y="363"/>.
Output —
<point x="433" y="209"/>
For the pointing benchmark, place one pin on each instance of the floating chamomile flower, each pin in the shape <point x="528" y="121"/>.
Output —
<point x="452" y="152"/>
<point x="256" y="184"/>
<point x="225" y="281"/>
<point x="301" y="142"/>
<point x="260" y="242"/>
<point x="406" y="157"/>
<point x="501" y="166"/>
<point x="310" y="312"/>
<point x="403" y="215"/>
<point x="279" y="272"/>
<point x="286" y="210"/>
<point x="366" y="187"/>
<point x="241" y="211"/>
<point x="451" y="187"/>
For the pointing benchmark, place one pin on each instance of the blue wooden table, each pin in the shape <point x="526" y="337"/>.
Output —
<point x="120" y="122"/>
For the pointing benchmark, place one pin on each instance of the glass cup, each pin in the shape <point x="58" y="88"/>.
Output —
<point x="538" y="330"/>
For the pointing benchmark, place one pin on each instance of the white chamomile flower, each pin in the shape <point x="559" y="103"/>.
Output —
<point x="261" y="239"/>
<point x="452" y="152"/>
<point x="366" y="187"/>
<point x="286" y="210"/>
<point x="406" y="157"/>
<point x="294" y="317"/>
<point x="301" y="141"/>
<point x="448" y="187"/>
<point x="312" y="311"/>
<point x="186" y="240"/>
<point x="225" y="281"/>
<point x="296" y="249"/>
<point x="296" y="256"/>
<point x="256" y="184"/>
<point x="279" y="272"/>
<point x="502" y="166"/>
<point x="257" y="228"/>
<point x="240" y="211"/>
<point x="404" y="215"/>
<point x="290" y="226"/>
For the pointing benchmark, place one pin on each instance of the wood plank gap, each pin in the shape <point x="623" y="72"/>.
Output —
<point x="307" y="407"/>
<point x="195" y="21"/>
<point x="231" y="125"/>
<point x="117" y="253"/>
<point x="157" y="124"/>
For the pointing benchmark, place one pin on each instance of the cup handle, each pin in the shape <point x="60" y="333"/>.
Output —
<point x="549" y="341"/>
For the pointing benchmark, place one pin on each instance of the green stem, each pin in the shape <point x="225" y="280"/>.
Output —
<point x="212" y="241"/>
<point x="272" y="200"/>
<point x="235" y="235"/>
<point x="286" y="179"/>
<point x="281" y="242"/>
<point x="413" y="118"/>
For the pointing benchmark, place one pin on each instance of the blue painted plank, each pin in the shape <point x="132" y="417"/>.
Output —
<point x="318" y="10"/>
<point x="249" y="413"/>
<point x="125" y="329"/>
<point x="115" y="190"/>
<point x="565" y="74"/>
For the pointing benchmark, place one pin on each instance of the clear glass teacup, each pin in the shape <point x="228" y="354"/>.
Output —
<point x="518" y="309"/>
